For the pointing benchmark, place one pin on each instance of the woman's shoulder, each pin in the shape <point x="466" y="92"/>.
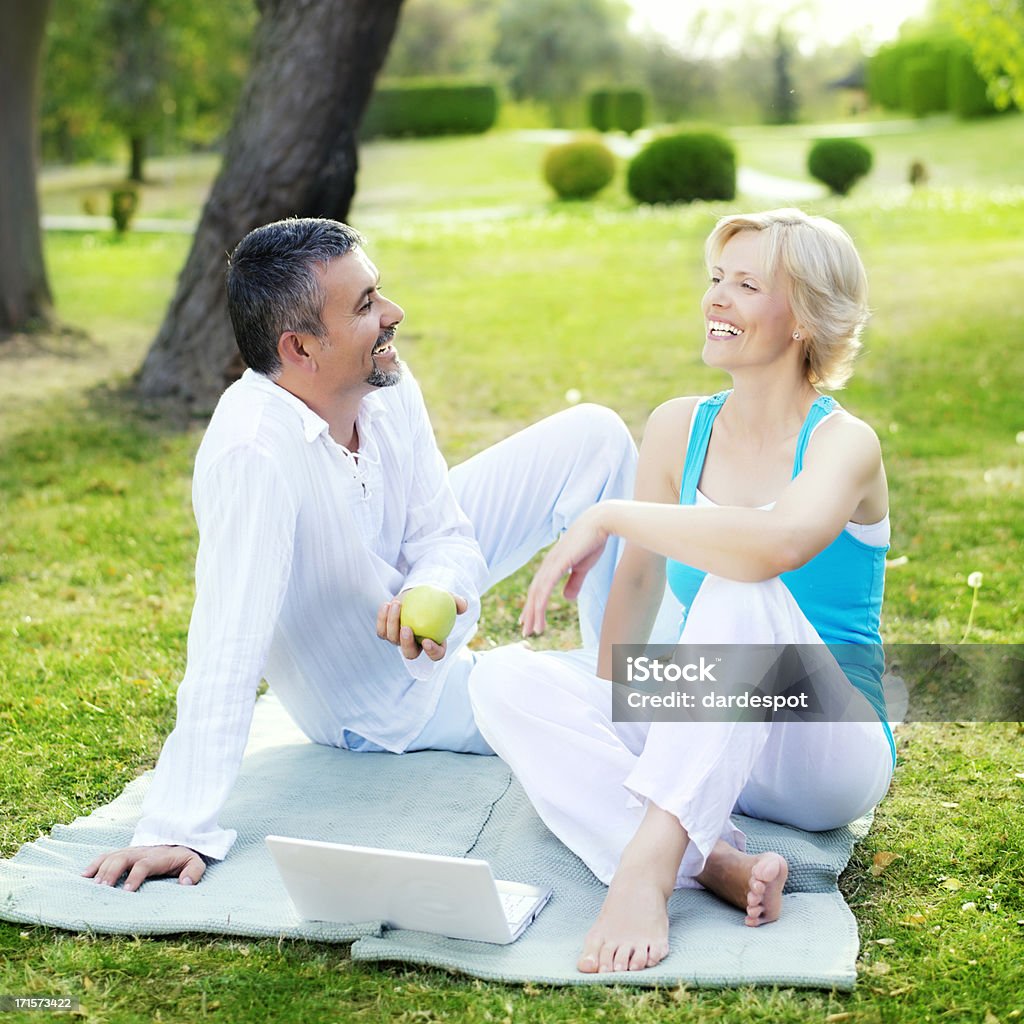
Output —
<point x="841" y="431"/>
<point x="842" y="421"/>
<point x="673" y="414"/>
<point x="662" y="453"/>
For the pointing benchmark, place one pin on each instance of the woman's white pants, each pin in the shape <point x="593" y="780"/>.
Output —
<point x="550" y="718"/>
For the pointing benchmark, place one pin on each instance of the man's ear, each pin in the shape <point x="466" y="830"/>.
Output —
<point x="293" y="352"/>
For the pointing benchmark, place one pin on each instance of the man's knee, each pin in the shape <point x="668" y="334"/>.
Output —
<point x="600" y="426"/>
<point x="603" y="450"/>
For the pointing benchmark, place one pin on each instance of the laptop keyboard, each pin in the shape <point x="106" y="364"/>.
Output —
<point x="516" y="906"/>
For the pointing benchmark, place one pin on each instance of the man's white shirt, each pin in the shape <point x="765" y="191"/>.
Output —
<point x="300" y="543"/>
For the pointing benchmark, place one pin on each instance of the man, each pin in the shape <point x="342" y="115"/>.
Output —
<point x="321" y="496"/>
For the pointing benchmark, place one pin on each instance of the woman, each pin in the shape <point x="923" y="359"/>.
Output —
<point x="768" y="504"/>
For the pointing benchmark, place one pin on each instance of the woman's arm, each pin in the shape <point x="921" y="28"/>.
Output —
<point x="738" y="543"/>
<point x="639" y="582"/>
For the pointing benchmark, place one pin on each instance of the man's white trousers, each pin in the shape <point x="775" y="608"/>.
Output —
<point x="520" y="494"/>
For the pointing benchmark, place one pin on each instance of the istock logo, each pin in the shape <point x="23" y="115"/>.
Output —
<point x="643" y="669"/>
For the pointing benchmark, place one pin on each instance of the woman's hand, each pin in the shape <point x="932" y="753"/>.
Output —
<point x="576" y="552"/>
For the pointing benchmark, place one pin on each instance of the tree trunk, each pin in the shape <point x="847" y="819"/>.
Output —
<point x="24" y="292"/>
<point x="138" y="158"/>
<point x="291" y="151"/>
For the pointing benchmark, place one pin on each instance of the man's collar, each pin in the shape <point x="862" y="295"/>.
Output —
<point x="313" y="424"/>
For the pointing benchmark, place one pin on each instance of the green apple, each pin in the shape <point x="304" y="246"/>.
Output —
<point x="428" y="612"/>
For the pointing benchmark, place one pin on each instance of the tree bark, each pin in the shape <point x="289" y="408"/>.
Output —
<point x="291" y="151"/>
<point x="24" y="292"/>
<point x="137" y="159"/>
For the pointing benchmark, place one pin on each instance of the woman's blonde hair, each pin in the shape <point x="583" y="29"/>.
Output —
<point x="828" y="287"/>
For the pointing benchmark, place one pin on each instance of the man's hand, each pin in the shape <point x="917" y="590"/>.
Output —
<point x="142" y="862"/>
<point x="390" y="628"/>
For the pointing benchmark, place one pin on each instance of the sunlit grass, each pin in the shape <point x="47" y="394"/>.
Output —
<point x="983" y="153"/>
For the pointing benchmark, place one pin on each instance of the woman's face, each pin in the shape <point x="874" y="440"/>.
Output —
<point x="747" y="317"/>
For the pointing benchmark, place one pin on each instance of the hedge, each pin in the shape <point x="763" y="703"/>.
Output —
<point x="883" y="76"/>
<point x="430" y="107"/>
<point x="599" y="110"/>
<point x="928" y="74"/>
<point x="630" y="110"/>
<point x="925" y="84"/>
<point x="622" y="109"/>
<point x="968" y="93"/>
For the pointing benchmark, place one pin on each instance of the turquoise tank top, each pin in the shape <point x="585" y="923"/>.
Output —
<point x="839" y="590"/>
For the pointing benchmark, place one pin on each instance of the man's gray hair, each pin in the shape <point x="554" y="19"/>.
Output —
<point x="273" y="284"/>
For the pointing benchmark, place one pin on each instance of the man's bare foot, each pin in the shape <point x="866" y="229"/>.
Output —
<point x="752" y="882"/>
<point x="631" y="932"/>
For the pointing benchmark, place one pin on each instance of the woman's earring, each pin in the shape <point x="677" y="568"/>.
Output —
<point x="796" y="335"/>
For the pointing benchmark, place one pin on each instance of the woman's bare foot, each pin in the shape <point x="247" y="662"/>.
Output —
<point x="752" y="882"/>
<point x="631" y="932"/>
<point x="767" y="877"/>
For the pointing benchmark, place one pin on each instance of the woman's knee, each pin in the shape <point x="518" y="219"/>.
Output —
<point x="743" y="594"/>
<point x="733" y="611"/>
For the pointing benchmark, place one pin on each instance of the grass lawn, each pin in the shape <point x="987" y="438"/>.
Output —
<point x="504" y="314"/>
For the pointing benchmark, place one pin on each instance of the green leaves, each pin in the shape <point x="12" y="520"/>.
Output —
<point x="995" y="34"/>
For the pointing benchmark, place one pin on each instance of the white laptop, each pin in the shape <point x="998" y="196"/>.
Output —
<point x="452" y="896"/>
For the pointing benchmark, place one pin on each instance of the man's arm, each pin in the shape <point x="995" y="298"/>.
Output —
<point x="246" y="524"/>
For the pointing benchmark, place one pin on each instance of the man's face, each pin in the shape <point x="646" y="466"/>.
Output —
<point x="357" y="353"/>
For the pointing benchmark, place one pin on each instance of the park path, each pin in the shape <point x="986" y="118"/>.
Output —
<point x="750" y="182"/>
<point x="769" y="186"/>
<point x="81" y="222"/>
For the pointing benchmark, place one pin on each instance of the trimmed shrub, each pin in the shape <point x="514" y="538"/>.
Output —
<point x="579" y="169"/>
<point x="968" y="93"/>
<point x="683" y="167"/>
<point x="624" y="109"/>
<point x="839" y="163"/>
<point x="124" y="201"/>
<point x="599" y="110"/>
<point x="630" y="110"/>
<point x="925" y="89"/>
<point x="430" y="107"/>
